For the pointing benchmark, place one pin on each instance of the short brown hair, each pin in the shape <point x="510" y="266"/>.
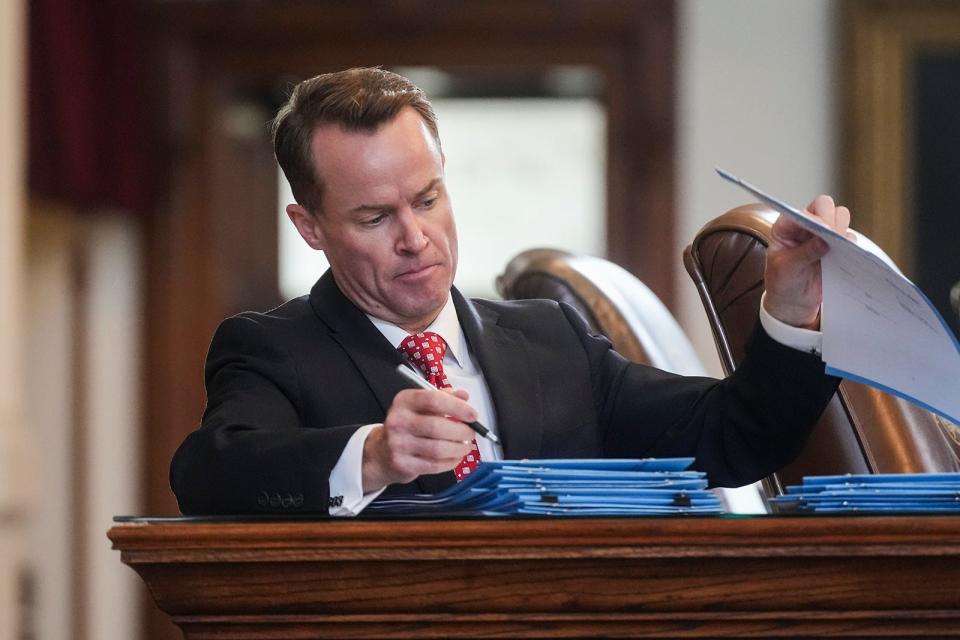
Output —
<point x="358" y="99"/>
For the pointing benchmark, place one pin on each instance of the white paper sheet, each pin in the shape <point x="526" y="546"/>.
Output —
<point x="878" y="327"/>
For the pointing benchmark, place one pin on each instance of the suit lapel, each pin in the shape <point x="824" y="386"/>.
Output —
<point x="375" y="358"/>
<point x="504" y="358"/>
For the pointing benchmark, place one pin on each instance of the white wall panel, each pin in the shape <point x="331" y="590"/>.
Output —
<point x="113" y="310"/>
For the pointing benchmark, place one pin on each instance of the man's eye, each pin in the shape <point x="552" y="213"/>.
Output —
<point x="374" y="221"/>
<point x="426" y="204"/>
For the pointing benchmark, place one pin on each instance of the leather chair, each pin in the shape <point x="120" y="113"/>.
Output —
<point x="619" y="306"/>
<point x="863" y="430"/>
<point x="613" y="301"/>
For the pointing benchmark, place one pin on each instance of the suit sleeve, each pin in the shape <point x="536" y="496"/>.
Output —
<point x="738" y="430"/>
<point x="252" y="453"/>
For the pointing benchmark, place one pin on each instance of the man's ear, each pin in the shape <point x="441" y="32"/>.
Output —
<point x="308" y="226"/>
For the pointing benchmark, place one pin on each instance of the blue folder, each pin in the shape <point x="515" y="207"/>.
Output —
<point x="566" y="488"/>
<point x="884" y="493"/>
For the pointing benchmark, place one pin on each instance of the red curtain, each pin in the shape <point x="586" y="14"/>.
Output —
<point x="92" y="121"/>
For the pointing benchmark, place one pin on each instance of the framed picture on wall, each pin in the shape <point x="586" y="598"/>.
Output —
<point x="901" y="135"/>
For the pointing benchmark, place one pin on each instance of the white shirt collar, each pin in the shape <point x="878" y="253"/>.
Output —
<point x="446" y="324"/>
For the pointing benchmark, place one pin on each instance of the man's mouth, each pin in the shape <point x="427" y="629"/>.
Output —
<point x="417" y="272"/>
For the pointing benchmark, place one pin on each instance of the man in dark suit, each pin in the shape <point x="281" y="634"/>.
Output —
<point x="307" y="413"/>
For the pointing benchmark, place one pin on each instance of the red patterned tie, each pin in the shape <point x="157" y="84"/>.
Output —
<point x="425" y="351"/>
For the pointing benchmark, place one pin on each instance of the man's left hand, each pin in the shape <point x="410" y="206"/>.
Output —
<point x="794" y="289"/>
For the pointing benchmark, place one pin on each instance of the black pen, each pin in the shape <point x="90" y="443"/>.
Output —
<point x="414" y="377"/>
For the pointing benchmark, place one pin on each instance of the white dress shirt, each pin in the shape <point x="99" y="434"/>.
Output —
<point x="346" y="479"/>
<point x="462" y="372"/>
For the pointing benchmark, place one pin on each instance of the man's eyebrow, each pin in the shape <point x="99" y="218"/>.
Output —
<point x="387" y="207"/>
<point x="427" y="189"/>
<point x="363" y="208"/>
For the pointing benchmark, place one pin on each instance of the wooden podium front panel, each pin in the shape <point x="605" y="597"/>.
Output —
<point x="572" y="578"/>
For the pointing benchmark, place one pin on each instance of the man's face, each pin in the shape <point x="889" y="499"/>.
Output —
<point x="386" y="223"/>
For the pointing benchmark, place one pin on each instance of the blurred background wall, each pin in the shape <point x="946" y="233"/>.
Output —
<point x="111" y="285"/>
<point x="758" y="96"/>
<point x="14" y="479"/>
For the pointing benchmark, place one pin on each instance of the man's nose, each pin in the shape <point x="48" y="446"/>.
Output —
<point x="412" y="239"/>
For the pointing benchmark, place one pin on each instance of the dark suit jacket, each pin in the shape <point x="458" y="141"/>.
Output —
<point x="286" y="390"/>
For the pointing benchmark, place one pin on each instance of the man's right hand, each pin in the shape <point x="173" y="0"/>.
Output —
<point x="423" y="433"/>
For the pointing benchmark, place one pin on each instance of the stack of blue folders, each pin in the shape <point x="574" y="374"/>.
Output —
<point x="893" y="492"/>
<point x="565" y="488"/>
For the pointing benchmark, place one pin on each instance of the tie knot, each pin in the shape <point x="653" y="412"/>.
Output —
<point x="425" y="351"/>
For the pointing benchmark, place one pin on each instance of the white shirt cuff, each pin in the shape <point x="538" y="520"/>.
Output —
<point x="788" y="335"/>
<point x="346" y="480"/>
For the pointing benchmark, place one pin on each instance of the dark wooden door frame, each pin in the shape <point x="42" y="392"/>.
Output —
<point x="212" y="248"/>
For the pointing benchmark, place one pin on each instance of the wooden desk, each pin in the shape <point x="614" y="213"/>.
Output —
<point x="648" y="577"/>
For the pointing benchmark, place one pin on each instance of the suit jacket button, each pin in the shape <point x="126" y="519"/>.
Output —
<point x="287" y="501"/>
<point x="298" y="500"/>
<point x="263" y="499"/>
<point x="274" y="499"/>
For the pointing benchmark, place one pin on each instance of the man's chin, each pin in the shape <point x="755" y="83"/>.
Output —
<point x="421" y="309"/>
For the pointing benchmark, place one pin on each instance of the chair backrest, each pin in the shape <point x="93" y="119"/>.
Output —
<point x="613" y="301"/>
<point x="863" y="430"/>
